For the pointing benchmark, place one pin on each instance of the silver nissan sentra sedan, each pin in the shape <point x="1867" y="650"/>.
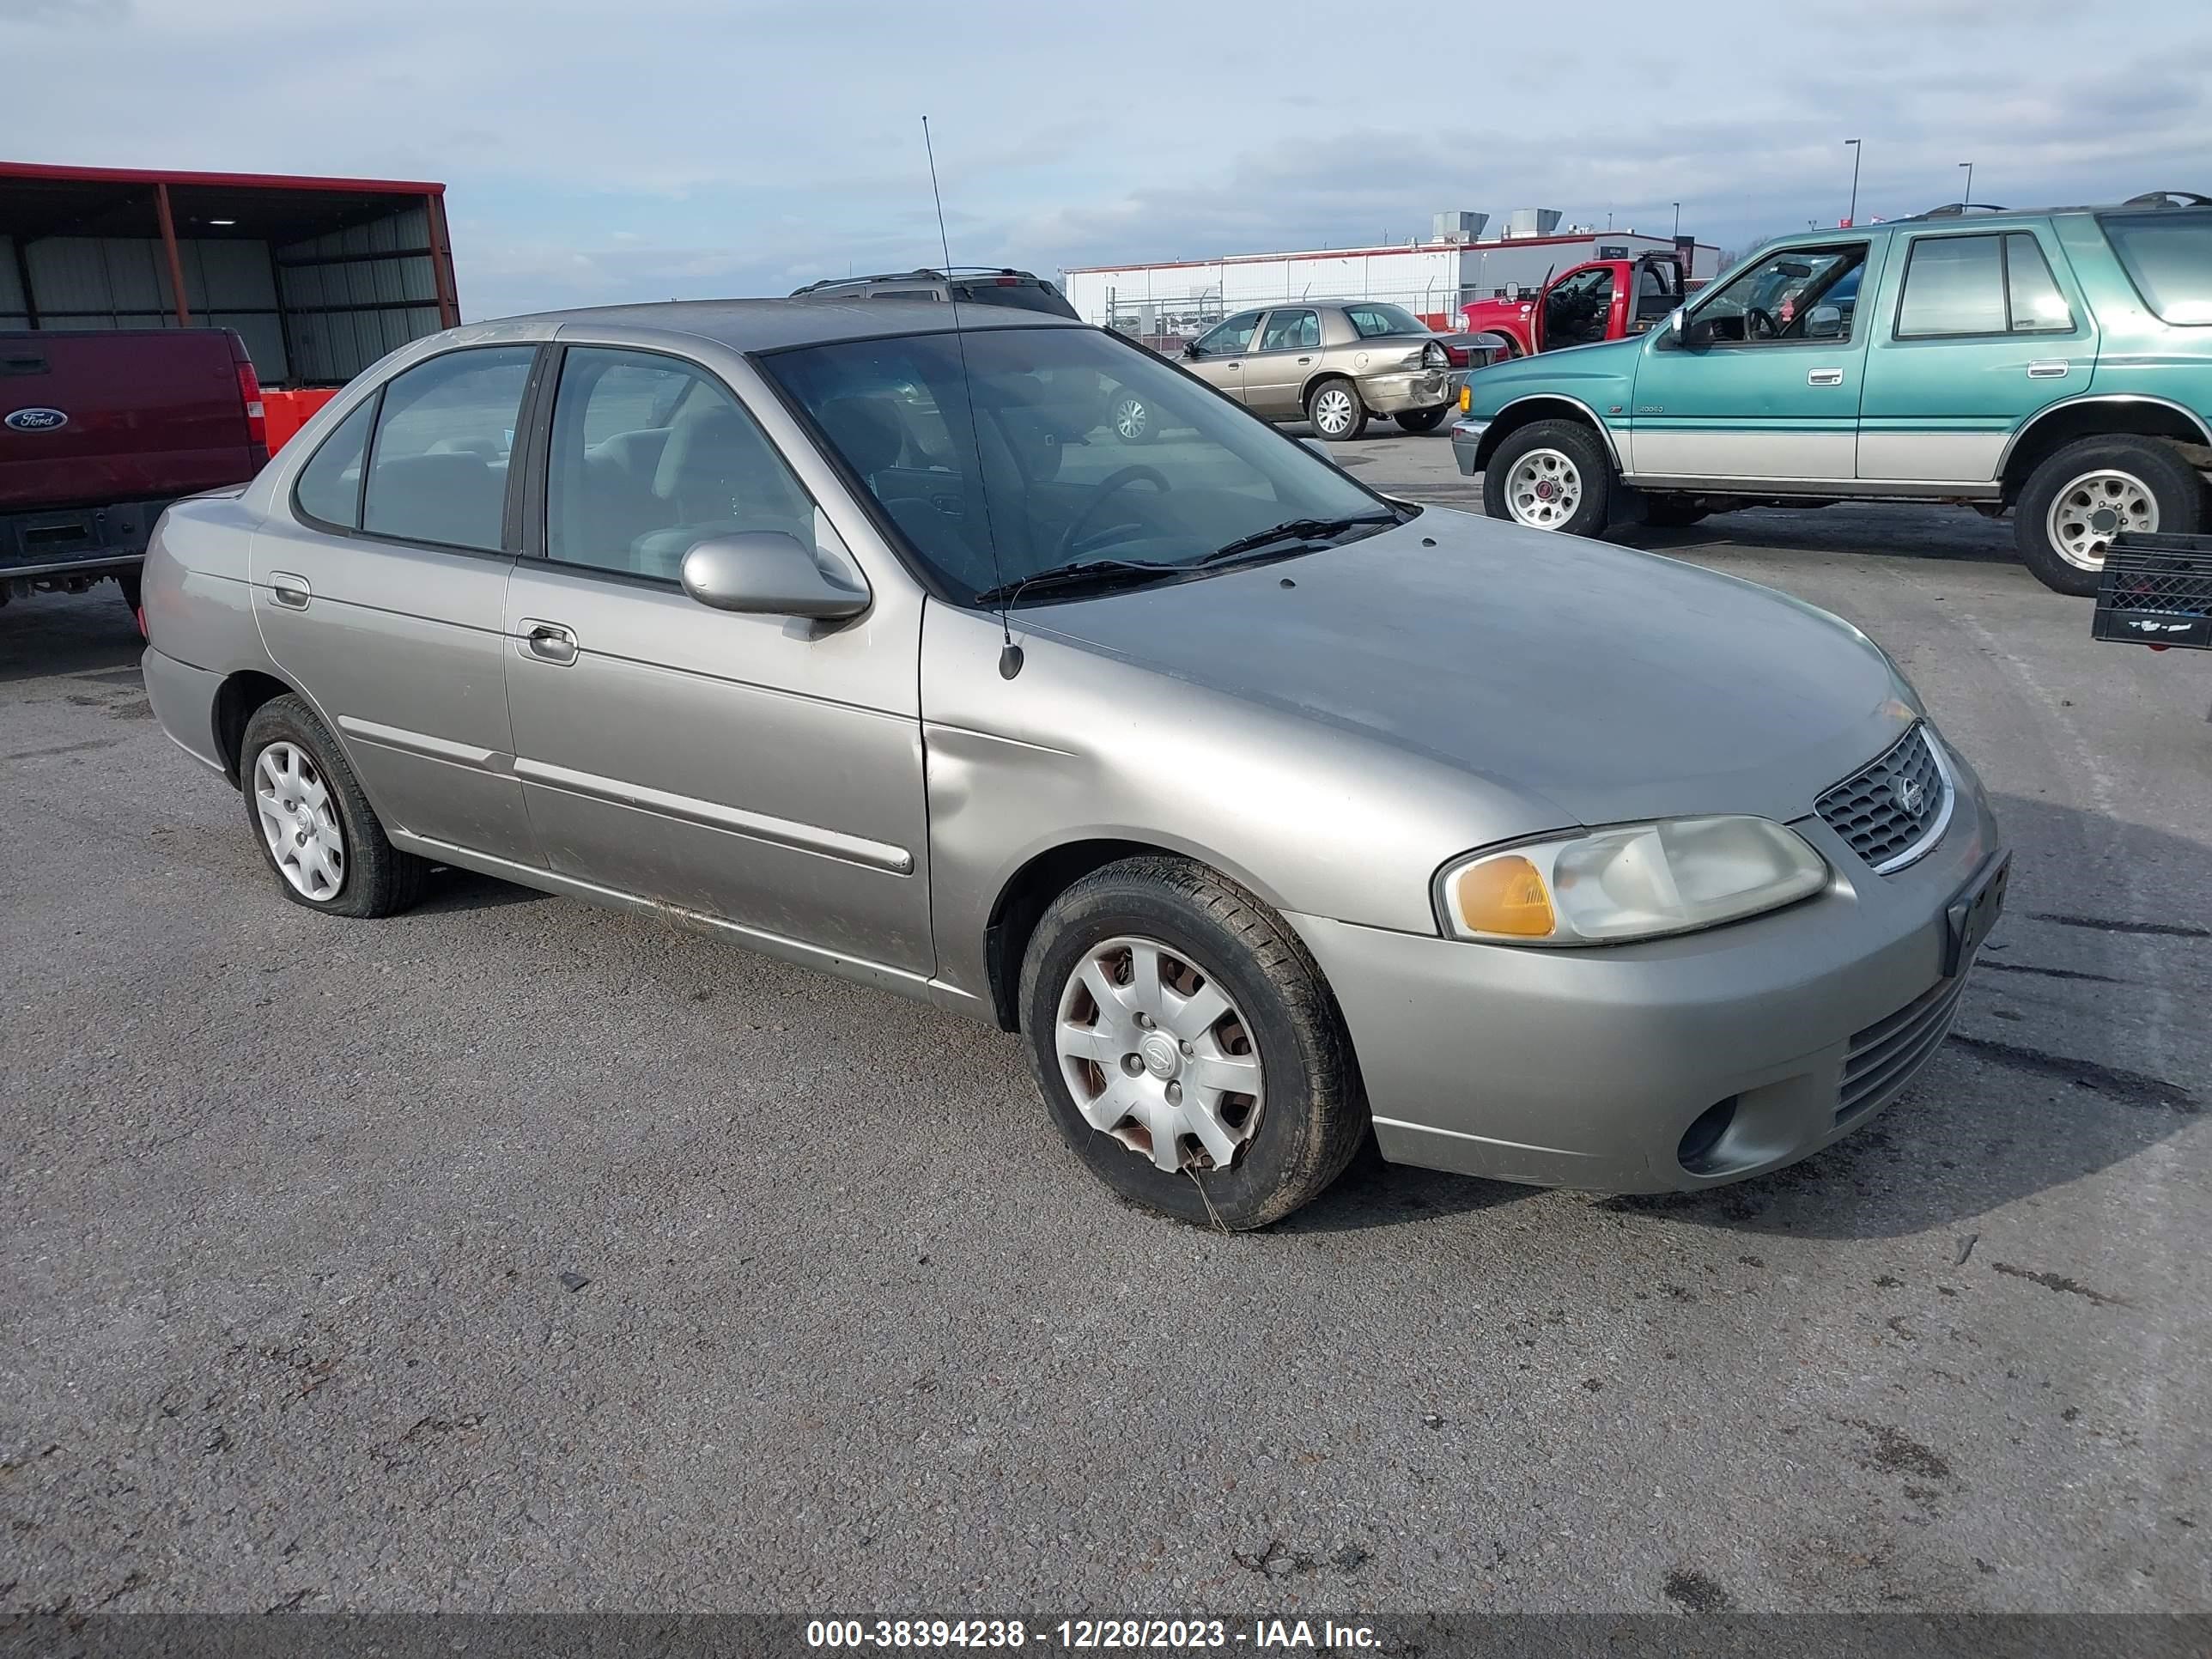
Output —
<point x="1267" y="810"/>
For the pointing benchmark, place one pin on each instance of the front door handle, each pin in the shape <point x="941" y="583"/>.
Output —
<point x="289" y="591"/>
<point x="2047" y="371"/>
<point x="549" y="642"/>
<point x="1825" y="377"/>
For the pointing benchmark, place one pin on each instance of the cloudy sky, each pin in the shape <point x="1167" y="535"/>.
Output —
<point x="597" y="150"/>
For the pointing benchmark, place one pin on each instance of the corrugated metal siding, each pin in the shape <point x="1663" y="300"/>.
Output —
<point x="337" y="345"/>
<point x="106" y="282"/>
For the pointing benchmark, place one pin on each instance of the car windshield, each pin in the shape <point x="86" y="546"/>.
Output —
<point x="1039" y="479"/>
<point x="1369" y="319"/>
<point x="1014" y="292"/>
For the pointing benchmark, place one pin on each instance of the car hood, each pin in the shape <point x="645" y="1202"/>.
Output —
<point x="1610" y="684"/>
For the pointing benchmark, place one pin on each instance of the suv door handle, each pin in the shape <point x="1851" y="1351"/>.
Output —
<point x="1825" y="377"/>
<point x="549" y="642"/>
<point x="2047" y="371"/>
<point x="289" y="591"/>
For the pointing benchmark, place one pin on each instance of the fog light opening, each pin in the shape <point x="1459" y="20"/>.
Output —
<point x="1701" y="1138"/>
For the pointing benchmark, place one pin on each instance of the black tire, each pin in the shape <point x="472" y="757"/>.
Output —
<point x="1571" y="439"/>
<point x="1673" y="512"/>
<point x="377" y="879"/>
<point x="1133" y="420"/>
<point x="2173" y="484"/>
<point x="133" y="592"/>
<point x="1356" y="425"/>
<point x="1424" y="419"/>
<point x="1313" y="1115"/>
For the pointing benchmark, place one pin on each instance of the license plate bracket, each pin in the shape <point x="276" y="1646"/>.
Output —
<point x="1971" y="916"/>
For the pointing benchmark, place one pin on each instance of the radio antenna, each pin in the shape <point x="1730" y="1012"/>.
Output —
<point x="1010" y="654"/>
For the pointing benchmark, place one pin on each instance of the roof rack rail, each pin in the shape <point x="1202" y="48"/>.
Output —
<point x="2168" y="198"/>
<point x="1959" y="210"/>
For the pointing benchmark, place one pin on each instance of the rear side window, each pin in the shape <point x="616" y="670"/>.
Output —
<point x="1371" y="320"/>
<point x="438" y="469"/>
<point x="1992" y="285"/>
<point x="329" y="488"/>
<point x="2168" y="257"/>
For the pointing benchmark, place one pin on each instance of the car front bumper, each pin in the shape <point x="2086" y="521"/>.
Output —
<point x="1467" y="438"/>
<point x="1586" y="1068"/>
<point x="1401" y="394"/>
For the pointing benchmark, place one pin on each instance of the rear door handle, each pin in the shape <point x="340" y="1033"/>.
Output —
<point x="2047" y="371"/>
<point x="1304" y="360"/>
<point x="549" y="642"/>
<point x="289" y="591"/>
<point x="1825" y="377"/>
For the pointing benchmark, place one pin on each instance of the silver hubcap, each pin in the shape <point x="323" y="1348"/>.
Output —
<point x="2092" y="509"/>
<point x="299" y="821"/>
<point x="1544" y="489"/>
<point x="1131" y="418"/>
<point x="1157" y="1056"/>
<point x="1333" y="410"/>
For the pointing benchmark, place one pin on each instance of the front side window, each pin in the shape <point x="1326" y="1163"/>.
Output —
<point x="1771" y="301"/>
<point x="2168" y="257"/>
<point x="329" y="486"/>
<point x="1235" y="335"/>
<point x="1577" y="312"/>
<point x="1291" y="331"/>
<point x="444" y="432"/>
<point x="652" y="455"/>
<point x="1370" y="319"/>
<point x="944" y="448"/>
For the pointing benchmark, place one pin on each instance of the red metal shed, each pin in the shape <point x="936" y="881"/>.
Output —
<point x="320" y="277"/>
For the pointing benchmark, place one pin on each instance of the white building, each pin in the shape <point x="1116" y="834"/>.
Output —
<point x="1433" y="279"/>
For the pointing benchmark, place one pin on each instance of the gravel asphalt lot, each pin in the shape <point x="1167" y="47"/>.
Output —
<point x="513" y="1255"/>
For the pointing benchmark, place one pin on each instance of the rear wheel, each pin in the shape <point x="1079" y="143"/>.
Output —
<point x="1133" y="419"/>
<point x="314" y="825"/>
<point x="1550" y="475"/>
<point x="1422" y="420"/>
<point x="2082" y="495"/>
<point x="1186" y="1047"/>
<point x="1333" y="409"/>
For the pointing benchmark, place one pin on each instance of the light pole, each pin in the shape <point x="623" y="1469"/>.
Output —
<point x="1858" y="153"/>
<point x="1969" y="166"/>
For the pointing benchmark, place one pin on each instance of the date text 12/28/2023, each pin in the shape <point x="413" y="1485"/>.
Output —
<point x="1123" y="1635"/>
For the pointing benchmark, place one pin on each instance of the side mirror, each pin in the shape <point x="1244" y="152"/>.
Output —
<point x="1824" y="323"/>
<point x="1190" y="349"/>
<point x="766" y="573"/>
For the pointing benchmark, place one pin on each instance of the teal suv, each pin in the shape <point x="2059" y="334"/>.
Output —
<point x="2054" y="364"/>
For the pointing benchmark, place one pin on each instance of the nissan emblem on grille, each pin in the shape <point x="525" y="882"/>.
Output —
<point x="1891" y="811"/>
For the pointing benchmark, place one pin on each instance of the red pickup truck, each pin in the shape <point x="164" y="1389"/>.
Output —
<point x="1604" y="300"/>
<point x="100" y="431"/>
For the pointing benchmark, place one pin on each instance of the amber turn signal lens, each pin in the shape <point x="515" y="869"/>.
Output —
<point x="1466" y="399"/>
<point x="1503" y="896"/>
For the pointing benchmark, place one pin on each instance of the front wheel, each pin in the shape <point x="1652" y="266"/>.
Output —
<point x="1550" y="475"/>
<point x="1186" y="1047"/>
<point x="1422" y="420"/>
<point x="2082" y="495"/>
<point x="1333" y="409"/>
<point x="315" y="827"/>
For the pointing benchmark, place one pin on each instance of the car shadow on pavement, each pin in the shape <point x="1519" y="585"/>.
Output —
<point x="451" y="890"/>
<point x="1959" y="535"/>
<point x="2051" y="1075"/>
<point x="42" y="639"/>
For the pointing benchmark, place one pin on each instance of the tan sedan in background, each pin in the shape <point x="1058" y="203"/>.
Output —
<point x="1332" y="363"/>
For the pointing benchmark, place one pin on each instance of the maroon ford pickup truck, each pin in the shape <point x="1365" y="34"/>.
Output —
<point x="100" y="431"/>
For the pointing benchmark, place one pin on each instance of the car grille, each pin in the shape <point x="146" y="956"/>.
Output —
<point x="1893" y="810"/>
<point x="1889" y="1053"/>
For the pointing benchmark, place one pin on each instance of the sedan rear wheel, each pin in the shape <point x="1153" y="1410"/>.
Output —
<point x="1186" y="1046"/>
<point x="1334" y="410"/>
<point x="315" y="826"/>
<point x="1133" y="420"/>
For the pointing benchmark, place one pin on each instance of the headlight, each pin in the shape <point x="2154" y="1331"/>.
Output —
<point x="1631" y="881"/>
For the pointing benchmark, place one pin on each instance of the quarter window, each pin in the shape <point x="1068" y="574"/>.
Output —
<point x="650" y="455"/>
<point x="329" y="489"/>
<point x="2168" y="257"/>
<point x="1291" y="331"/>
<point x="1989" y="284"/>
<point x="445" y="428"/>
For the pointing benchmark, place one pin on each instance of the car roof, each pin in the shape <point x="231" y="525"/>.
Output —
<point x="768" y="324"/>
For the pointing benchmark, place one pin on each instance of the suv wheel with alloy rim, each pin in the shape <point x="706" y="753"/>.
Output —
<point x="1550" y="475"/>
<point x="2081" y="495"/>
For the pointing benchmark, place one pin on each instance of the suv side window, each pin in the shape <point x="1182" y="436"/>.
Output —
<point x="329" y="486"/>
<point x="1291" y="331"/>
<point x="1993" y="284"/>
<point x="1769" y="303"/>
<point x="1233" y="336"/>
<point x="437" y="471"/>
<point x="633" y="498"/>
